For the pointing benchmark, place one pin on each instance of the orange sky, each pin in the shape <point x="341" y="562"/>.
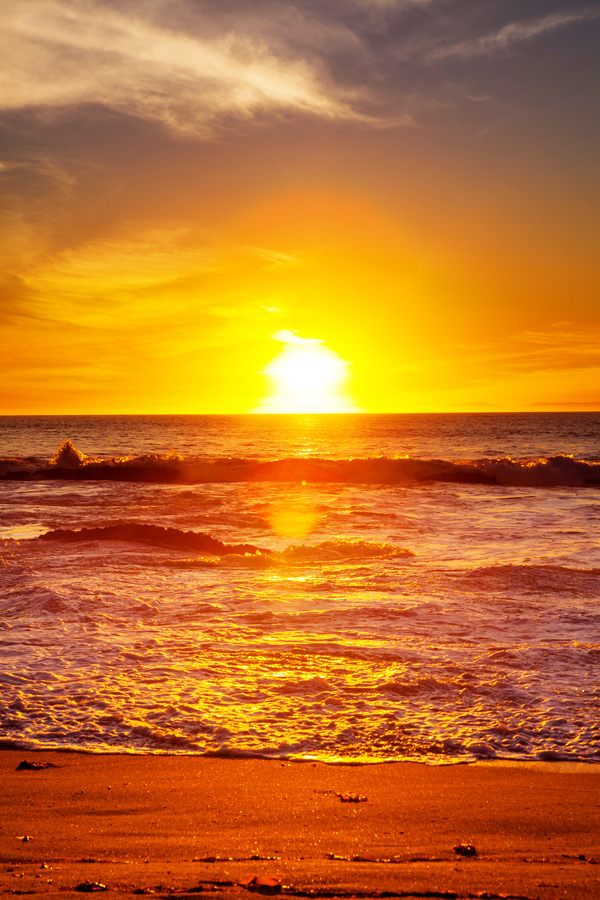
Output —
<point x="408" y="186"/>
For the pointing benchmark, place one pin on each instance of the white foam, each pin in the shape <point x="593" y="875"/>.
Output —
<point x="25" y="532"/>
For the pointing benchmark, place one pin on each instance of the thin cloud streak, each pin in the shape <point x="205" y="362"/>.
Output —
<point x="562" y="346"/>
<point x="103" y="280"/>
<point x="59" y="55"/>
<point x="506" y="38"/>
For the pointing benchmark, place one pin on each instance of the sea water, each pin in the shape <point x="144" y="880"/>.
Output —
<point x="354" y="588"/>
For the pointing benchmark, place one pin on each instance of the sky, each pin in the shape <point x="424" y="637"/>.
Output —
<point x="228" y="206"/>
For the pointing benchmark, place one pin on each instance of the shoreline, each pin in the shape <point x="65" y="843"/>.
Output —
<point x="186" y="824"/>
<point x="560" y="765"/>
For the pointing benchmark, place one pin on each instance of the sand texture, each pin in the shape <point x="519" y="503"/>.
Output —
<point x="188" y="825"/>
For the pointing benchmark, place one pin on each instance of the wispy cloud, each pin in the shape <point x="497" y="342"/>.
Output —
<point x="392" y="4"/>
<point x="196" y="68"/>
<point x="164" y="277"/>
<point x="556" y="347"/>
<point x="273" y="259"/>
<point x="107" y="278"/>
<point x="509" y="36"/>
<point x="64" y="53"/>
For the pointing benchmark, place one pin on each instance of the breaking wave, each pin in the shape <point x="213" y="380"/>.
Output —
<point x="338" y="550"/>
<point x="342" y="549"/>
<point x="155" y="535"/>
<point x="70" y="464"/>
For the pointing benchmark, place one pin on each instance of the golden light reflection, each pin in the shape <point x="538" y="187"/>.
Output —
<point x="294" y="518"/>
<point x="306" y="377"/>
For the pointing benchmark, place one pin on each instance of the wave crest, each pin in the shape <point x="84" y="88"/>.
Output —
<point x="342" y="549"/>
<point x="69" y="457"/>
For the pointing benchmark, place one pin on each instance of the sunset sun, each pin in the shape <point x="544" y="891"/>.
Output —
<point x="306" y="377"/>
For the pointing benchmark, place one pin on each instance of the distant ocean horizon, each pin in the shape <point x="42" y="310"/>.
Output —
<point x="354" y="587"/>
<point x="438" y="433"/>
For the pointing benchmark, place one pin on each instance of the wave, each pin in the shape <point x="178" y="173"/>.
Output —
<point x="342" y="549"/>
<point x="32" y="600"/>
<point x="338" y="550"/>
<point x="70" y="464"/>
<point x="155" y="535"/>
<point x="532" y="578"/>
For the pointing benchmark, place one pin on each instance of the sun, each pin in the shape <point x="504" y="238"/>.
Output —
<point x="306" y="378"/>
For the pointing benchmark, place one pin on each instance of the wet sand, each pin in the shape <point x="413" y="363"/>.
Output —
<point x="188" y="825"/>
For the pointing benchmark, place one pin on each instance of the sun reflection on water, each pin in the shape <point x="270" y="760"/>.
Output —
<point x="295" y="519"/>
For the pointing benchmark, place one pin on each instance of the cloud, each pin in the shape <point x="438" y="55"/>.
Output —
<point x="61" y="54"/>
<point x="273" y="259"/>
<point x="562" y="345"/>
<point x="167" y="282"/>
<point x="133" y="278"/>
<point x="394" y="5"/>
<point x="39" y="201"/>
<point x="503" y="40"/>
<point x="556" y="347"/>
<point x="200" y="68"/>
<point x="285" y="336"/>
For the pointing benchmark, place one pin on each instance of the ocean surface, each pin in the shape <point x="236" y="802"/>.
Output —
<point x="344" y="588"/>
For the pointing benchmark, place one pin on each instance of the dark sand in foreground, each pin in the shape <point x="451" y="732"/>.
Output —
<point x="188" y="825"/>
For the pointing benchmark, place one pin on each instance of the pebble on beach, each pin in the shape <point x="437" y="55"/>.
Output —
<point x="263" y="884"/>
<point x="465" y="850"/>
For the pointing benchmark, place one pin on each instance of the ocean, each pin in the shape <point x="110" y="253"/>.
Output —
<point x="346" y="588"/>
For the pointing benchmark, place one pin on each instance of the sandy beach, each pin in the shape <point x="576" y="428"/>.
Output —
<point x="186" y="825"/>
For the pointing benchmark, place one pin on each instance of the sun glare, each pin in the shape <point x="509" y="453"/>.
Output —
<point x="306" y="378"/>
<point x="294" y="520"/>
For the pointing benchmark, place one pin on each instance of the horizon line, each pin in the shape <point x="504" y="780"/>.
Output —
<point x="441" y="412"/>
